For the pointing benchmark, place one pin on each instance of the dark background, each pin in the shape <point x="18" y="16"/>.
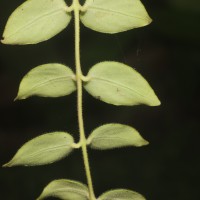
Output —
<point x="166" y="53"/>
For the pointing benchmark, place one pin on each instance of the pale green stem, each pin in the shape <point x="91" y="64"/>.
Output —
<point x="79" y="75"/>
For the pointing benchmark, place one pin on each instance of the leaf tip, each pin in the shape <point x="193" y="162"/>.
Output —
<point x="16" y="98"/>
<point x="145" y="142"/>
<point x="155" y="101"/>
<point x="142" y="142"/>
<point x="39" y="198"/>
<point x="19" y="97"/>
<point x="147" y="20"/>
<point x="3" y="41"/>
<point x="159" y="103"/>
<point x="150" y="20"/>
<point x="7" y="165"/>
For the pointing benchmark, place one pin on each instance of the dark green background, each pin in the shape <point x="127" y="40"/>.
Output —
<point x="166" y="53"/>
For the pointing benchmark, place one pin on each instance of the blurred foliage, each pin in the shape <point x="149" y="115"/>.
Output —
<point x="166" y="53"/>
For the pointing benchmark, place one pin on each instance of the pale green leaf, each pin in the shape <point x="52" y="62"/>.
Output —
<point x="66" y="190"/>
<point x="44" y="149"/>
<point x="119" y="84"/>
<point x="111" y="136"/>
<point x="49" y="80"/>
<point x="121" y="194"/>
<point x="36" y="21"/>
<point x="111" y="16"/>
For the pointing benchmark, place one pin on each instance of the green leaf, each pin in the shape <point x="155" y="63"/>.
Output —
<point x="49" y="80"/>
<point x="121" y="194"/>
<point x="36" y="21"/>
<point x="114" y="16"/>
<point x="66" y="190"/>
<point x="119" y="84"/>
<point x="44" y="149"/>
<point x="111" y="136"/>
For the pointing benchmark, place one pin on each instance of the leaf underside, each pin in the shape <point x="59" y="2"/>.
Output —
<point x="112" y="82"/>
<point x="118" y="84"/>
<point x="66" y="190"/>
<point x="49" y="80"/>
<point x="44" y="149"/>
<point x="121" y="194"/>
<point x="111" y="136"/>
<point x="36" y="21"/>
<point x="114" y="16"/>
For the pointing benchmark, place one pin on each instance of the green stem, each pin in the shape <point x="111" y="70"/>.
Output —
<point x="83" y="143"/>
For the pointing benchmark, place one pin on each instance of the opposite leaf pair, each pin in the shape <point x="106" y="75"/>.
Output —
<point x="73" y="190"/>
<point x="51" y="147"/>
<point x="39" y="20"/>
<point x="111" y="82"/>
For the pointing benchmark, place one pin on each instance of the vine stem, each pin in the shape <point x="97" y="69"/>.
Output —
<point x="77" y="7"/>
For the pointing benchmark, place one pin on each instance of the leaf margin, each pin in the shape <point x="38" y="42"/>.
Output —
<point x="98" y="131"/>
<point x="13" y="162"/>
<point x="43" y="195"/>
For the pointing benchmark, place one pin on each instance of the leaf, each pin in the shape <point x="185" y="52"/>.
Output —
<point x="121" y="194"/>
<point x="111" y="136"/>
<point x="44" y="149"/>
<point x="114" y="16"/>
<point x="66" y="190"/>
<point x="119" y="84"/>
<point x="49" y="80"/>
<point x="36" y="21"/>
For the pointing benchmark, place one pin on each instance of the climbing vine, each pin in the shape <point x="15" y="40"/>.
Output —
<point x="109" y="81"/>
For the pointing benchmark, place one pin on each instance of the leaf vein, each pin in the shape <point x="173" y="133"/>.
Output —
<point x="54" y="12"/>
<point x="115" y="84"/>
<point x="46" y="149"/>
<point x="115" y="12"/>
<point x="70" y="189"/>
<point x="51" y="80"/>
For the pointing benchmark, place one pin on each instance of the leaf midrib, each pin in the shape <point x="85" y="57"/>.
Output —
<point x="66" y="78"/>
<point x="71" y="189"/>
<point x="41" y="17"/>
<point x="31" y="155"/>
<point x="115" y="12"/>
<point x="115" y="84"/>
